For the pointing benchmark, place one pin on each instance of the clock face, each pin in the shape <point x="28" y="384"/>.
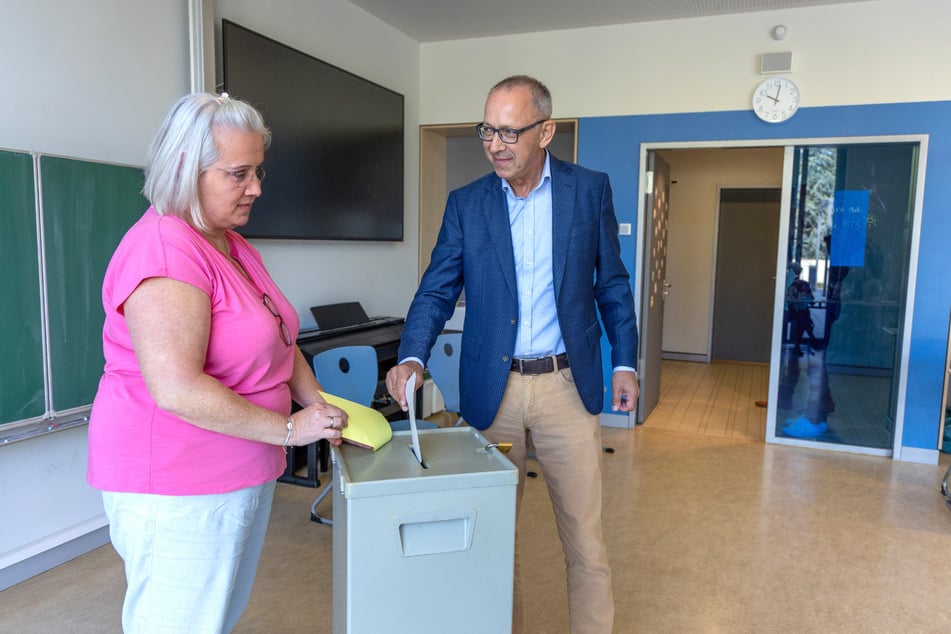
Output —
<point x="776" y="99"/>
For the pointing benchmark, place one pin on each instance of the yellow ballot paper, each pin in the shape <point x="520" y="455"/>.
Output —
<point x="366" y="427"/>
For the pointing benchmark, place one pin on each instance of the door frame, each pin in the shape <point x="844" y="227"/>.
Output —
<point x="789" y="144"/>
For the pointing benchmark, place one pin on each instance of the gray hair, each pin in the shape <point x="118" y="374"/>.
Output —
<point x="184" y="147"/>
<point x="541" y="96"/>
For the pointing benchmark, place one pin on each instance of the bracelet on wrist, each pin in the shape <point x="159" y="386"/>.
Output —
<point x="290" y="430"/>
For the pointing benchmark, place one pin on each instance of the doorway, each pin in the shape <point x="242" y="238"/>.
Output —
<point x="688" y="332"/>
<point x="697" y="176"/>
<point x="745" y="278"/>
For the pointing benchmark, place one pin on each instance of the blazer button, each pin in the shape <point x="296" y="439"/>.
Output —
<point x="506" y="358"/>
<point x="514" y="321"/>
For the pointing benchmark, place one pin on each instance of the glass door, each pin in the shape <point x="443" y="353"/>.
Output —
<point x="847" y="262"/>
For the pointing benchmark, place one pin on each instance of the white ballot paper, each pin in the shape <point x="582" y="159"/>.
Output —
<point x="411" y="405"/>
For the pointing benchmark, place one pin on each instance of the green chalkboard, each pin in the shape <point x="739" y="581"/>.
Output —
<point x="21" y="366"/>
<point x="87" y="208"/>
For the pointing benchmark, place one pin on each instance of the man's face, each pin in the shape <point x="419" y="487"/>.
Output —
<point x="519" y="163"/>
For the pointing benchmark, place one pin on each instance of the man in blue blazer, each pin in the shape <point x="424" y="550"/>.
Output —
<point x="535" y="247"/>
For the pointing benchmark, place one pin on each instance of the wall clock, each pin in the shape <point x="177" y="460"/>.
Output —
<point x="776" y="99"/>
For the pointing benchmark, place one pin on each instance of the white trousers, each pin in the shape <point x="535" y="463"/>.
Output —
<point x="190" y="560"/>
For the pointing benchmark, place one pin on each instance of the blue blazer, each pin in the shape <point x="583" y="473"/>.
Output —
<point x="474" y="251"/>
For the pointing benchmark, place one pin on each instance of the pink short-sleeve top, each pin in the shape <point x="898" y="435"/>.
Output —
<point x="135" y="446"/>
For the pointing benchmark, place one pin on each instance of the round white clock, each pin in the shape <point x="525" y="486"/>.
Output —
<point x="776" y="99"/>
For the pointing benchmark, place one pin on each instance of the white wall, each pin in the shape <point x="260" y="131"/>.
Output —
<point x="90" y="80"/>
<point x="326" y="272"/>
<point x="870" y="52"/>
<point x="94" y="80"/>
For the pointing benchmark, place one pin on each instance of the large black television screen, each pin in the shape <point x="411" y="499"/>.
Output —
<point x="335" y="164"/>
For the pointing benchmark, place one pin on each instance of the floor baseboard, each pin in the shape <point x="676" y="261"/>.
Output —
<point x="49" y="559"/>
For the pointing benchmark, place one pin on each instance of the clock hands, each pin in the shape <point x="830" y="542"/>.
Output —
<point x="776" y="100"/>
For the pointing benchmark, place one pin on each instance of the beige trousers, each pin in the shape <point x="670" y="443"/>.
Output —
<point x="566" y="438"/>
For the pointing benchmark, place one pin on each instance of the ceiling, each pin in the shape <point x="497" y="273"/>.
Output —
<point x="437" y="20"/>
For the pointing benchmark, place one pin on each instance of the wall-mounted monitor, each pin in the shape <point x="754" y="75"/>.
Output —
<point x="335" y="164"/>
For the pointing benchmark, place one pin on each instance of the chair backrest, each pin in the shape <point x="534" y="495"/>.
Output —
<point x="350" y="372"/>
<point x="444" y="368"/>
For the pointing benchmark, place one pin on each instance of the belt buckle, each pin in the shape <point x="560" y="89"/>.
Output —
<point x="534" y="367"/>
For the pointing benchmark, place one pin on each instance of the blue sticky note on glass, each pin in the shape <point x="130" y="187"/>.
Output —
<point x="849" y="226"/>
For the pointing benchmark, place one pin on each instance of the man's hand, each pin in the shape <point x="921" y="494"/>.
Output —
<point x="625" y="391"/>
<point x="396" y="380"/>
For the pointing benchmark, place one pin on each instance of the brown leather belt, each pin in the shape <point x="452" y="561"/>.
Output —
<point x="540" y="366"/>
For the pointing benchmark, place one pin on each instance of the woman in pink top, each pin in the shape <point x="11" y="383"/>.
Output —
<point x="190" y="425"/>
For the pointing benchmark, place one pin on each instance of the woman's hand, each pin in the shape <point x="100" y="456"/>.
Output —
<point x="318" y="421"/>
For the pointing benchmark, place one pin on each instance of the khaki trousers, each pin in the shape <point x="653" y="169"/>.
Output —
<point x="547" y="410"/>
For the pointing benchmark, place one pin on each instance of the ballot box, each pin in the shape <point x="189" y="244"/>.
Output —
<point x="423" y="548"/>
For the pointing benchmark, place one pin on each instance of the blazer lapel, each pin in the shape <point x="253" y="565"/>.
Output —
<point x="500" y="233"/>
<point x="563" y="212"/>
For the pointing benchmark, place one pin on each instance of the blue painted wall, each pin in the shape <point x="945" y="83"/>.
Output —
<point x="612" y="145"/>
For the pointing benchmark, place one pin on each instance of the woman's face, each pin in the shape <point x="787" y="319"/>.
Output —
<point x="227" y="189"/>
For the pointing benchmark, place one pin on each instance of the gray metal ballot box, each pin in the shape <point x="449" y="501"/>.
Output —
<point x="423" y="549"/>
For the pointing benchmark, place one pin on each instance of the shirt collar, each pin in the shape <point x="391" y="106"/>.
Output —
<point x="546" y="176"/>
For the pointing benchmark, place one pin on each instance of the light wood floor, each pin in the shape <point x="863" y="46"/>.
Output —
<point x="717" y="533"/>
<point x="715" y="399"/>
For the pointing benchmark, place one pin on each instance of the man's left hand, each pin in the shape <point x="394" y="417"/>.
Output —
<point x="625" y="391"/>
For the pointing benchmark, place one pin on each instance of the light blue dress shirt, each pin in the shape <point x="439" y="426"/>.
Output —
<point x="530" y="218"/>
